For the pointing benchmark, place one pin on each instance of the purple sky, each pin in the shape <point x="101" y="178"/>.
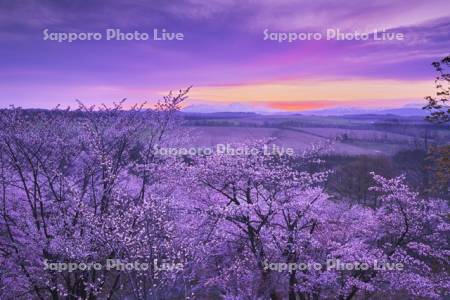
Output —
<point x="223" y="54"/>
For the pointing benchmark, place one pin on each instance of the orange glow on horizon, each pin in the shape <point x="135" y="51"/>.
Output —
<point x="312" y="94"/>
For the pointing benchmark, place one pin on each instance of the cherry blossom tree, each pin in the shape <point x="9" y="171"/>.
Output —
<point x="257" y="213"/>
<point x="83" y="186"/>
<point x="252" y="208"/>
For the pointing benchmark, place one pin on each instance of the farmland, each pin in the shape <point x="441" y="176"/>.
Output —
<point x="351" y="135"/>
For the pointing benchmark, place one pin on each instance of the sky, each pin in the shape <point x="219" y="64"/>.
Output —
<point x="224" y="55"/>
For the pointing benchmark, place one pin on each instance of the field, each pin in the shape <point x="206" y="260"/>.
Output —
<point x="351" y="135"/>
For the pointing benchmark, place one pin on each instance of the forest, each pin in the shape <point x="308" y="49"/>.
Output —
<point x="91" y="210"/>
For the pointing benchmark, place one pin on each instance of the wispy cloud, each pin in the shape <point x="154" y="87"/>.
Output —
<point x="223" y="54"/>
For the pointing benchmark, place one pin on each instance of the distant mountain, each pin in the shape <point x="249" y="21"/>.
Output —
<point x="338" y="111"/>
<point x="405" y="111"/>
<point x="233" y="107"/>
<point x="408" y="110"/>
